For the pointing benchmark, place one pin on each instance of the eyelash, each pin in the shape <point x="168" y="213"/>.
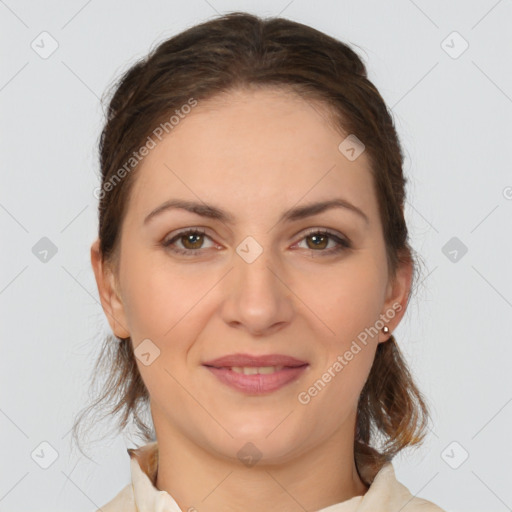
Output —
<point x="343" y="244"/>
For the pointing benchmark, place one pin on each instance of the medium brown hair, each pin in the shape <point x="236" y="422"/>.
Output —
<point x="240" y="50"/>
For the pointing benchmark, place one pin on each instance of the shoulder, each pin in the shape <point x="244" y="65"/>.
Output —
<point x="123" y="502"/>
<point x="387" y="493"/>
<point x="421" y="505"/>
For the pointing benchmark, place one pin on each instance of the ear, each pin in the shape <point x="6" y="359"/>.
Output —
<point x="397" y="294"/>
<point x="110" y="299"/>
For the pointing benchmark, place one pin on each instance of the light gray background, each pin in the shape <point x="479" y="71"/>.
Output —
<point x="454" y="120"/>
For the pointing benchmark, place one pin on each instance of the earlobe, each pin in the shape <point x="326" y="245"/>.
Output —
<point x="110" y="300"/>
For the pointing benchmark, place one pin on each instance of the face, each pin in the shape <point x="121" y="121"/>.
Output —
<point x="192" y="288"/>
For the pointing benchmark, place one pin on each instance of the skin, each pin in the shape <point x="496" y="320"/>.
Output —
<point x="254" y="154"/>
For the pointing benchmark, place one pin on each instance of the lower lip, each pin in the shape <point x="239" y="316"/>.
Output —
<point x="258" y="383"/>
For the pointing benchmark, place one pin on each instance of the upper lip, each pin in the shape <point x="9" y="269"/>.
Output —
<point x="247" y="360"/>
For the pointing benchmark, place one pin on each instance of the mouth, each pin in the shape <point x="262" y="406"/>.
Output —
<point x="256" y="375"/>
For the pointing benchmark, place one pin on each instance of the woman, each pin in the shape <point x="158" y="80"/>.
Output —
<point x="253" y="262"/>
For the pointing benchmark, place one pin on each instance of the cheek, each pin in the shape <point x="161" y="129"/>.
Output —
<point x="156" y="297"/>
<point x="352" y="301"/>
<point x="167" y="307"/>
<point x="350" y="307"/>
<point x="339" y="378"/>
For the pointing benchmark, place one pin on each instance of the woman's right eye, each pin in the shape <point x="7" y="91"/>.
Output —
<point x="191" y="240"/>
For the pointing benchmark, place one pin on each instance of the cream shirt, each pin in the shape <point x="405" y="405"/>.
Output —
<point x="385" y="493"/>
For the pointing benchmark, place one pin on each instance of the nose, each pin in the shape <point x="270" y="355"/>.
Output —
<point x="256" y="296"/>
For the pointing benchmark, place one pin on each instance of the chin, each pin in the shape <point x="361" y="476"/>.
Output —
<point x="268" y="444"/>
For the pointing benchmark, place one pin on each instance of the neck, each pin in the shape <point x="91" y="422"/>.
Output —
<point x="200" y="480"/>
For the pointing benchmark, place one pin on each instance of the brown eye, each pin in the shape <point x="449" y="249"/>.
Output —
<point x="191" y="240"/>
<point x="318" y="241"/>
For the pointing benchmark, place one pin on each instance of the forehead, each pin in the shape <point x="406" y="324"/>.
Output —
<point x="246" y="149"/>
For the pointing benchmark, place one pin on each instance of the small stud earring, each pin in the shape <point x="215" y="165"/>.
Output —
<point x="385" y="329"/>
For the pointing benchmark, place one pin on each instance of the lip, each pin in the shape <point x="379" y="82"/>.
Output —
<point x="256" y="384"/>
<point x="255" y="361"/>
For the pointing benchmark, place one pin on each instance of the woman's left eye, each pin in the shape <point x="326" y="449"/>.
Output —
<point x="193" y="239"/>
<point x="320" y="239"/>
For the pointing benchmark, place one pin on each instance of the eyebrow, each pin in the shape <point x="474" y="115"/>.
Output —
<point x="293" y="214"/>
